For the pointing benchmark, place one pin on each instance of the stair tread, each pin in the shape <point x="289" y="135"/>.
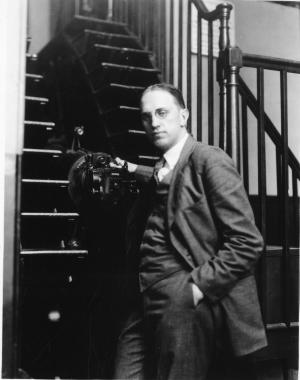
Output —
<point x="42" y="151"/>
<point x="33" y="56"/>
<point x="45" y="181"/>
<point x="107" y="34"/>
<point x="128" y="132"/>
<point x="121" y="107"/>
<point x="42" y="123"/>
<point x="36" y="99"/>
<point x="137" y="68"/>
<point x="51" y="214"/>
<point x="54" y="252"/>
<point x="118" y="86"/>
<point x="118" y="48"/>
<point x="34" y="76"/>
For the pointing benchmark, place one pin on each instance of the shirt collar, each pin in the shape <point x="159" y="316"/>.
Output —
<point x="172" y="155"/>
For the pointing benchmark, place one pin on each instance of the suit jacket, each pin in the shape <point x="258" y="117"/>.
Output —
<point x="211" y="225"/>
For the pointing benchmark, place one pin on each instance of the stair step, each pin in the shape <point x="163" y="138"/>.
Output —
<point x="32" y="64"/>
<point x="58" y="252"/>
<point x="122" y="119"/>
<point x="44" y="231"/>
<point x="45" y="196"/>
<point x="116" y="94"/>
<point x="46" y="182"/>
<point x="34" y="85"/>
<point x="45" y="164"/>
<point x="122" y="74"/>
<point x="79" y="23"/>
<point x="68" y="215"/>
<point x="36" y="108"/>
<point x="39" y="124"/>
<point x="36" y="135"/>
<point x="119" y="55"/>
<point x="132" y="143"/>
<point x="90" y="37"/>
<point x="51" y="152"/>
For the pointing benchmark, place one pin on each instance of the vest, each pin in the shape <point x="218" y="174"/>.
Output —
<point x="158" y="259"/>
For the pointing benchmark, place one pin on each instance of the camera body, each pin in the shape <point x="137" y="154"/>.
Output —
<point x="108" y="183"/>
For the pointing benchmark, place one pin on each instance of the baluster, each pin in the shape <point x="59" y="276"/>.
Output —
<point x="180" y="45"/>
<point x="210" y="78"/>
<point x="171" y="75"/>
<point x="224" y="42"/>
<point x="262" y="182"/>
<point x="163" y="33"/>
<point x="245" y="144"/>
<point x="199" y="79"/>
<point x="285" y="195"/>
<point x="189" y="61"/>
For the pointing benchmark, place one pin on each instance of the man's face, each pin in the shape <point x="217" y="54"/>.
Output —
<point x="163" y="119"/>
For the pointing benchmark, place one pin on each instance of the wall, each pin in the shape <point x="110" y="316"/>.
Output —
<point x="38" y="24"/>
<point x="12" y="79"/>
<point x="269" y="29"/>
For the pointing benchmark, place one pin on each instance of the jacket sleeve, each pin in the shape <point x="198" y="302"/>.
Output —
<point x="143" y="173"/>
<point x="240" y="241"/>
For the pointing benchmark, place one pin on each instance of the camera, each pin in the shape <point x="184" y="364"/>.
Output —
<point x="105" y="182"/>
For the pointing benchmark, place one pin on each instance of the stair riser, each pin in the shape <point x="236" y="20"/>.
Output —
<point x="87" y="40"/>
<point x="45" y="198"/>
<point x="36" y="111"/>
<point x="32" y="66"/>
<point x="76" y="27"/>
<point x="34" y="87"/>
<point x="133" y="146"/>
<point x="46" y="233"/>
<point x="119" y="121"/>
<point x="101" y="77"/>
<point x="111" y="98"/>
<point x="42" y="166"/>
<point x="96" y="56"/>
<point x="36" y="137"/>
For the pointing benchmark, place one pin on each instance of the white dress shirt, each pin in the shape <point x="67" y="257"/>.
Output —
<point x="171" y="157"/>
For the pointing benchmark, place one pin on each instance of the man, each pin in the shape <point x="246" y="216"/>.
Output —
<point x="193" y="240"/>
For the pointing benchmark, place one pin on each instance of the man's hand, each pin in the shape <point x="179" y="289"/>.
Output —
<point x="119" y="163"/>
<point x="197" y="294"/>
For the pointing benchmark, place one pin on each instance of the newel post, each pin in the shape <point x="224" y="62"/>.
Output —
<point x="233" y="63"/>
<point x="224" y="41"/>
<point x="228" y="66"/>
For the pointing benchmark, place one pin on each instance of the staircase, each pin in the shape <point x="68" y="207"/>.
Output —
<point x="92" y="75"/>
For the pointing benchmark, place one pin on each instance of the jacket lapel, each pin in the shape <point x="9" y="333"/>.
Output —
<point x="177" y="177"/>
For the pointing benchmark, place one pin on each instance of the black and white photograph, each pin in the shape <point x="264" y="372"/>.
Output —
<point x="150" y="169"/>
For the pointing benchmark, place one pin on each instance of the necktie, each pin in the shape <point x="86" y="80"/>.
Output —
<point x="158" y="165"/>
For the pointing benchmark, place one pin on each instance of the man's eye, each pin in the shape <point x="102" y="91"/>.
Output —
<point x="161" y="113"/>
<point x="145" y="117"/>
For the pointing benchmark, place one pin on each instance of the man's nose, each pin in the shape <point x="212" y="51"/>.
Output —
<point x="154" y="121"/>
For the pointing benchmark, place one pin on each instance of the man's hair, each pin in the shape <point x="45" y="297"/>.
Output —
<point x="168" y="88"/>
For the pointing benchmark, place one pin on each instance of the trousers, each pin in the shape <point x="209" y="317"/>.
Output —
<point x="167" y="336"/>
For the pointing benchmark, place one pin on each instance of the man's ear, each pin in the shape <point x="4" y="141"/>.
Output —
<point x="184" y="116"/>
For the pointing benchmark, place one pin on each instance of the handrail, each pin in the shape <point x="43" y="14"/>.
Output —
<point x="271" y="63"/>
<point x="216" y="14"/>
<point x="270" y="127"/>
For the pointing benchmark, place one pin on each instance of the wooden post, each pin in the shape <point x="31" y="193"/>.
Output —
<point x="233" y="62"/>
<point x="224" y="42"/>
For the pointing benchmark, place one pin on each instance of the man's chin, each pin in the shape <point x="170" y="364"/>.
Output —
<point x="161" y="145"/>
